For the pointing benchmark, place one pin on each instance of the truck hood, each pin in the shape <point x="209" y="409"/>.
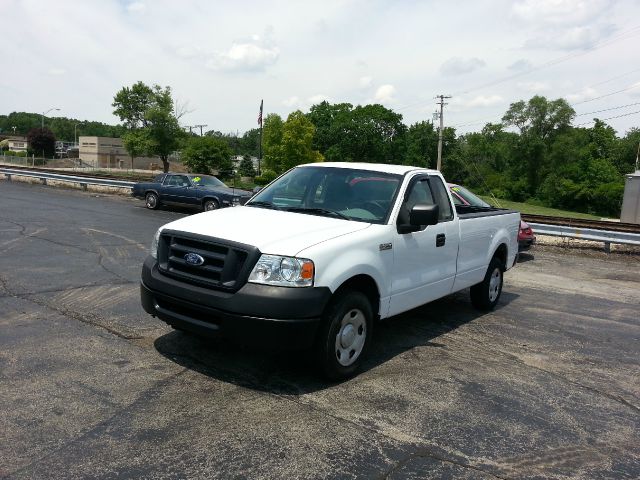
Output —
<point x="272" y="231"/>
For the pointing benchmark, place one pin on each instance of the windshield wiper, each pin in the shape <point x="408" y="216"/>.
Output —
<point x="261" y="204"/>
<point x="318" y="211"/>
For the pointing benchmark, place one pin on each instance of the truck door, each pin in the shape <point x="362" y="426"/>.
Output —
<point x="424" y="266"/>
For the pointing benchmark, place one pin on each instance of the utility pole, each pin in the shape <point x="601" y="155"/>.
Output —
<point x="260" y="144"/>
<point x="638" y="159"/>
<point x="442" y="104"/>
<point x="200" y="127"/>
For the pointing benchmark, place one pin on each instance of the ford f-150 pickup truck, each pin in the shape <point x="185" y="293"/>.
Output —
<point x="322" y="253"/>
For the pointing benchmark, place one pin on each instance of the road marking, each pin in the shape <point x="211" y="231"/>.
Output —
<point x="21" y="237"/>
<point x="121" y="237"/>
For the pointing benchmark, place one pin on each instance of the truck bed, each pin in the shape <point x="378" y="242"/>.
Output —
<point x="468" y="211"/>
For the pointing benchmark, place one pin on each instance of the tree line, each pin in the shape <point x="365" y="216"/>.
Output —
<point x="534" y="154"/>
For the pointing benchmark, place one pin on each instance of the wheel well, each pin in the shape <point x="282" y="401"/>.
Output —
<point x="206" y="199"/>
<point x="366" y="285"/>
<point x="501" y="254"/>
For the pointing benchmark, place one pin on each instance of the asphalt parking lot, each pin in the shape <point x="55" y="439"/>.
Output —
<point x="546" y="386"/>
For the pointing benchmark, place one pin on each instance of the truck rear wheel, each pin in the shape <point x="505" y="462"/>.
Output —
<point x="485" y="295"/>
<point x="345" y="335"/>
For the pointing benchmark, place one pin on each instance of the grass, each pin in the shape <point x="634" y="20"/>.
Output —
<point x="538" y="210"/>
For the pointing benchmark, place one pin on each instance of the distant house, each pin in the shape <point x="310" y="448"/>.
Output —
<point x="109" y="152"/>
<point x="18" y="144"/>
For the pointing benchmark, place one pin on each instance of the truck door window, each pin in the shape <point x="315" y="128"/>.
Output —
<point x="419" y="192"/>
<point x="442" y="199"/>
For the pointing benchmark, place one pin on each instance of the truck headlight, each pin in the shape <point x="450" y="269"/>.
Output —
<point x="154" y="244"/>
<point x="283" y="271"/>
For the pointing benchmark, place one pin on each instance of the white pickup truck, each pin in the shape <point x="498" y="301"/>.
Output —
<point x="322" y="253"/>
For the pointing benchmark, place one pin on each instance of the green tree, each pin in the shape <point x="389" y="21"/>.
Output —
<point x="366" y="133"/>
<point x="132" y="103"/>
<point x="422" y="145"/>
<point x="272" y="132"/>
<point x="205" y="154"/>
<point x="246" y="167"/>
<point x="626" y="150"/>
<point x="539" y="117"/>
<point x="290" y="143"/>
<point x="136" y="144"/>
<point x="330" y="121"/>
<point x="150" y="112"/>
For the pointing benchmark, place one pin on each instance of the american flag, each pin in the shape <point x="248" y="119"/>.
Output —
<point x="260" y="114"/>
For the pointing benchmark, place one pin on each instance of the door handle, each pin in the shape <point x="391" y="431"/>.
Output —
<point x="441" y="239"/>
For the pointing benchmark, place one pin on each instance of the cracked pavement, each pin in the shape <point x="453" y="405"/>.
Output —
<point x="545" y="386"/>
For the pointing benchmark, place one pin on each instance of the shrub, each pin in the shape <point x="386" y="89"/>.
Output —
<point x="267" y="176"/>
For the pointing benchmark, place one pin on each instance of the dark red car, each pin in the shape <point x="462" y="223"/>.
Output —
<point x="462" y="196"/>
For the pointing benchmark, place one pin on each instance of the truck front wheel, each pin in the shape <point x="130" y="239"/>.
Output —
<point x="344" y="336"/>
<point x="485" y="295"/>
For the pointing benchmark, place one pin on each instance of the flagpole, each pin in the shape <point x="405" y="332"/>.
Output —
<point x="260" y="145"/>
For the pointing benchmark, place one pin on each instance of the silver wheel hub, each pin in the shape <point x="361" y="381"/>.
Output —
<point x="494" y="284"/>
<point x="351" y="337"/>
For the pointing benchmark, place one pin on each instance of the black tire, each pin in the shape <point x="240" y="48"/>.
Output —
<point x="344" y="335"/>
<point x="485" y="295"/>
<point x="151" y="200"/>
<point x="209" y="205"/>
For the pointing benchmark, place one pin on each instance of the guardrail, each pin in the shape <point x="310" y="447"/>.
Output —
<point x="83" y="181"/>
<point x="605" y="236"/>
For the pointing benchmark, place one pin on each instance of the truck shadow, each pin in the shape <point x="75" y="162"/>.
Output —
<point x="292" y="372"/>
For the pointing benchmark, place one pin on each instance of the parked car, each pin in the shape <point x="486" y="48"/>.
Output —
<point x="202" y="191"/>
<point x="462" y="196"/>
<point x="322" y="253"/>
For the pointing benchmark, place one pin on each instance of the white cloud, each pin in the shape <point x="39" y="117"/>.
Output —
<point x="319" y="98"/>
<point x="291" y="102"/>
<point x="136" y="7"/>
<point x="385" y="94"/>
<point x="581" y="37"/>
<point x="56" y="71"/>
<point x="485" y="101"/>
<point x="533" y="87"/>
<point x="635" y="90"/>
<point x="461" y="66"/>
<point x="188" y="51"/>
<point x="561" y="12"/>
<point x="520" y="65"/>
<point x="245" y="56"/>
<point x="365" y="82"/>
<point x="586" y="93"/>
<point x="254" y="54"/>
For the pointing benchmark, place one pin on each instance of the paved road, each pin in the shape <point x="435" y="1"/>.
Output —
<point x="546" y="386"/>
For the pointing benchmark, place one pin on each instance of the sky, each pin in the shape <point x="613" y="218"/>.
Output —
<point x="222" y="58"/>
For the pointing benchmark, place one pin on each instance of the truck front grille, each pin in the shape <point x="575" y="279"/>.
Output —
<point x="226" y="264"/>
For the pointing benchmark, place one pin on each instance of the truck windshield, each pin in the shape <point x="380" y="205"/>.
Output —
<point x="206" y="181"/>
<point x="360" y="195"/>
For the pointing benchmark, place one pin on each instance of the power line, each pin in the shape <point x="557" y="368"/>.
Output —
<point x="607" y="94"/>
<point x="621" y="36"/>
<point x="607" y="109"/>
<point x="609" y="118"/>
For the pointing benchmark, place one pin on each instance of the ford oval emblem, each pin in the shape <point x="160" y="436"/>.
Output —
<point x="193" y="259"/>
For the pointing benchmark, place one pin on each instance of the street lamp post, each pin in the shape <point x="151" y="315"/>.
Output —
<point x="42" y="124"/>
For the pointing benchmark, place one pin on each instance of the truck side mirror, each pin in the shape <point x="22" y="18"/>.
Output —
<point x="420" y="215"/>
<point x="423" y="214"/>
